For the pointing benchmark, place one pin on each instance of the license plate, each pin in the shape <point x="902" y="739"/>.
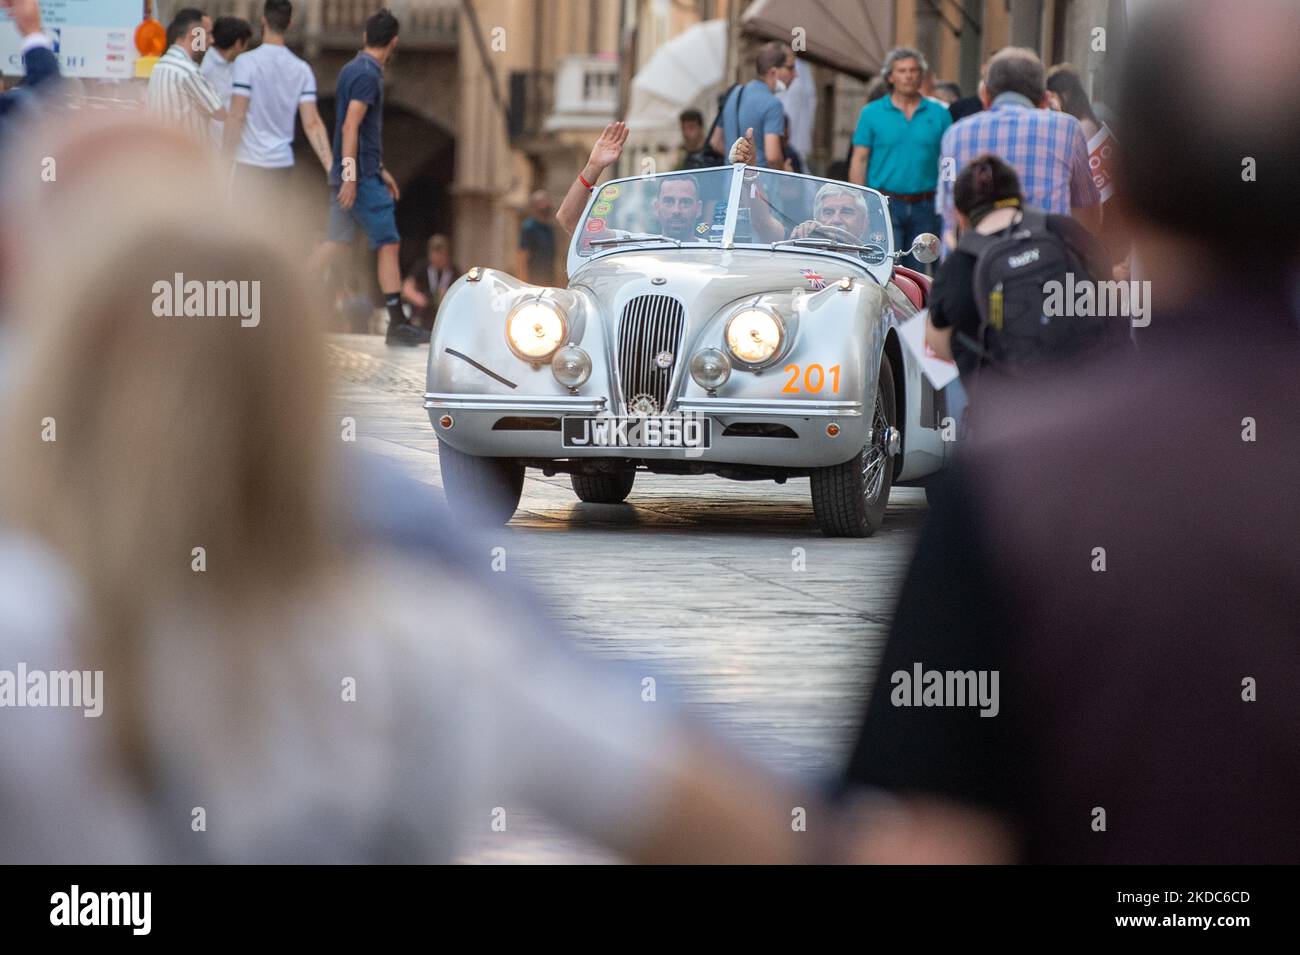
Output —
<point x="651" y="431"/>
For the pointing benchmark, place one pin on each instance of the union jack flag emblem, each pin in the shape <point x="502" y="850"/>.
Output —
<point x="813" y="278"/>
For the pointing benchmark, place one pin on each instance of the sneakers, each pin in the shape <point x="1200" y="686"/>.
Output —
<point x="406" y="334"/>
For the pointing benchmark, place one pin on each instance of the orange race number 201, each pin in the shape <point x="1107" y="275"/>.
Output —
<point x="814" y="378"/>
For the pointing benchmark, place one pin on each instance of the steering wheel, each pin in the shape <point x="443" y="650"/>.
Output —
<point x="834" y="233"/>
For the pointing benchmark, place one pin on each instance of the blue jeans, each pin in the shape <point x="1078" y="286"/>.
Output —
<point x="910" y="219"/>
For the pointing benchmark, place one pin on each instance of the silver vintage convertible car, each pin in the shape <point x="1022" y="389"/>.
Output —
<point x="730" y="321"/>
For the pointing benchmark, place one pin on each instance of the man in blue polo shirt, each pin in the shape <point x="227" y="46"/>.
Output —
<point x="755" y="106"/>
<point x="896" y="149"/>
<point x="364" y="193"/>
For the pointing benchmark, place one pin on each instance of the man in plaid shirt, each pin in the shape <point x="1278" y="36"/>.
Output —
<point x="1046" y="148"/>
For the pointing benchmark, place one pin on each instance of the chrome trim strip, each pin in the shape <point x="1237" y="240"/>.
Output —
<point x="562" y="403"/>
<point x="767" y="408"/>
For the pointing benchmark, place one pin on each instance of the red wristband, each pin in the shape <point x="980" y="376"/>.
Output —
<point x="585" y="183"/>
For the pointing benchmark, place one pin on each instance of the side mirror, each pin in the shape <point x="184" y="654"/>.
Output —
<point x="925" y="248"/>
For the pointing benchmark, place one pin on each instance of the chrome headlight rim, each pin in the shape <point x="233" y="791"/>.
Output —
<point x="561" y="340"/>
<point x="693" y="369"/>
<point x="581" y="356"/>
<point x="737" y="360"/>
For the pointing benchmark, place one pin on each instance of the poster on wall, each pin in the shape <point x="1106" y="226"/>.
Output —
<point x="92" y="38"/>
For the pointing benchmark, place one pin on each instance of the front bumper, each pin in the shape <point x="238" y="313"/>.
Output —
<point x="493" y="426"/>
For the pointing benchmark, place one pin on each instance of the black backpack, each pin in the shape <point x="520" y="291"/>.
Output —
<point x="1012" y="270"/>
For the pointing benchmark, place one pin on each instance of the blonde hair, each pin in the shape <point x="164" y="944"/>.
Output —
<point x="169" y="433"/>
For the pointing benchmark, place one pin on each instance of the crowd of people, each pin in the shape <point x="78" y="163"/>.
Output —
<point x="171" y="515"/>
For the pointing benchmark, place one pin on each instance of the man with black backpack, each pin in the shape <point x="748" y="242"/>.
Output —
<point x="991" y="306"/>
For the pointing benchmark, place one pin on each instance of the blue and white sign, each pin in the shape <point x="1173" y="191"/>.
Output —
<point x="92" y="38"/>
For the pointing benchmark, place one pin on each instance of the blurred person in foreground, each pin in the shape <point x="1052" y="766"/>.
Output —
<point x="290" y="677"/>
<point x="1120" y="546"/>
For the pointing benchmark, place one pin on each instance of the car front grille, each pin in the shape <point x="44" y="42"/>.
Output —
<point x="651" y="325"/>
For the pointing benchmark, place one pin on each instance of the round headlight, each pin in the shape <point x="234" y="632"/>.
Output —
<point x="754" y="335"/>
<point x="535" y="329"/>
<point x="571" y="366"/>
<point x="710" y="368"/>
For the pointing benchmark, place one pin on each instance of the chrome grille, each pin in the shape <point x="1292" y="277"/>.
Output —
<point x="651" y="324"/>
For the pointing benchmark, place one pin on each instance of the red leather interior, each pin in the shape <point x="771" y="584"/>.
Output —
<point x="910" y="287"/>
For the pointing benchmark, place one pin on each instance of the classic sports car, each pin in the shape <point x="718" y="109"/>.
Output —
<point x="730" y="321"/>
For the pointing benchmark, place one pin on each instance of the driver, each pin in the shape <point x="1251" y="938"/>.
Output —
<point x="839" y="208"/>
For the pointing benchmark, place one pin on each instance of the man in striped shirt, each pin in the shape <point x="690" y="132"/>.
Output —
<point x="1046" y="148"/>
<point x="179" y="95"/>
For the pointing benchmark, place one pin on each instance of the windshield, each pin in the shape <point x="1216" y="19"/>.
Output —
<point x="681" y="207"/>
<point x="777" y="207"/>
<point x="692" y="208"/>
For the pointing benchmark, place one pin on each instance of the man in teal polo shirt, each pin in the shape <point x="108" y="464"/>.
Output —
<point x="896" y="149"/>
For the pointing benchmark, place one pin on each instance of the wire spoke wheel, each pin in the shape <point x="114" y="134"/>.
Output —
<point x="849" y="499"/>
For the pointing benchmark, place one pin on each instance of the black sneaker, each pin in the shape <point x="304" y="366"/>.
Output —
<point x="406" y="334"/>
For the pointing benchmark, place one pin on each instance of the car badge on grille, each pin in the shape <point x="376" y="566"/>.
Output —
<point x="664" y="360"/>
<point x="643" y="404"/>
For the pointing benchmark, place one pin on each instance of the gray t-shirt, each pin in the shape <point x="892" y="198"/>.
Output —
<point x="759" y="109"/>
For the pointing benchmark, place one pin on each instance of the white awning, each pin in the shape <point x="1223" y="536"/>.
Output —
<point x="686" y="71"/>
<point x="851" y="36"/>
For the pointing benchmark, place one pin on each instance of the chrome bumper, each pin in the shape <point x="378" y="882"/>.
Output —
<point x="563" y="404"/>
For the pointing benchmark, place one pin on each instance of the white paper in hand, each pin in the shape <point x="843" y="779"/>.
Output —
<point x="939" y="371"/>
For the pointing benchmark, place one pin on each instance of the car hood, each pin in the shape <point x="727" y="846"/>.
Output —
<point x="706" y="280"/>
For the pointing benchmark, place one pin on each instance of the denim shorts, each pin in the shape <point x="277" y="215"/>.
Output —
<point x="374" y="210"/>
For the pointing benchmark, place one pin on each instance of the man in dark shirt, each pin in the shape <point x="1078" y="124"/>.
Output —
<point x="363" y="192"/>
<point x="429" y="280"/>
<point x="1119" y="548"/>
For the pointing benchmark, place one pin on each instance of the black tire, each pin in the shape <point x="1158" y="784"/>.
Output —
<point x="603" y="488"/>
<point x="849" y="499"/>
<point x="482" y="491"/>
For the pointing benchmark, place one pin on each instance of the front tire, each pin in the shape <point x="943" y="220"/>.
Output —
<point x="604" y="487"/>
<point x="849" y="499"/>
<point x="482" y="491"/>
